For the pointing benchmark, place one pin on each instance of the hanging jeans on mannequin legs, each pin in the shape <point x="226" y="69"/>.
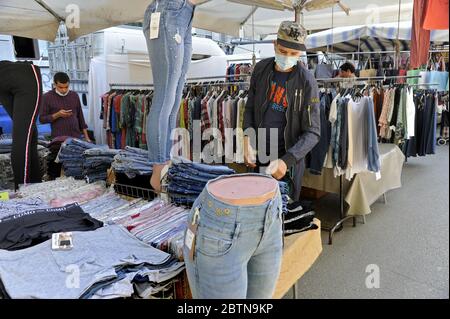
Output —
<point x="170" y="57"/>
<point x="238" y="249"/>
<point x="20" y="92"/>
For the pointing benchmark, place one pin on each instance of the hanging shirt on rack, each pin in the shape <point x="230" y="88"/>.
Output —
<point x="358" y="137"/>
<point x="410" y="113"/>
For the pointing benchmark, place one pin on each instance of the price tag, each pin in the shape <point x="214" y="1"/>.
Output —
<point x="154" y="25"/>
<point x="191" y="232"/>
<point x="4" y="196"/>
<point x="189" y="240"/>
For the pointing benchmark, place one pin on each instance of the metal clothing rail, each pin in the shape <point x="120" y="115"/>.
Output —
<point x="188" y="81"/>
<point x="373" y="78"/>
<point x="123" y="85"/>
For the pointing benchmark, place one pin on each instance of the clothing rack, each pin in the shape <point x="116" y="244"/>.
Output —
<point x="146" y="86"/>
<point x="189" y="81"/>
<point x="338" y="226"/>
<point x="373" y="78"/>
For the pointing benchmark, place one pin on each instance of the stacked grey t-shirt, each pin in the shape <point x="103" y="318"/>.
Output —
<point x="109" y="257"/>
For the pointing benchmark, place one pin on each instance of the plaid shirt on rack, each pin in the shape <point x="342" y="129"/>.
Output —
<point x="205" y="120"/>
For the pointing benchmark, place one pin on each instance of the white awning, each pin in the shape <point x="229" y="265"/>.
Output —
<point x="40" y="19"/>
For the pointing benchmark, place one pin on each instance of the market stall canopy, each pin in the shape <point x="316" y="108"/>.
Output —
<point x="361" y="13"/>
<point x="40" y="19"/>
<point x="375" y="37"/>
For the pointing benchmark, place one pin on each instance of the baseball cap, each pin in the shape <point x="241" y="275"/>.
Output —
<point x="292" y="35"/>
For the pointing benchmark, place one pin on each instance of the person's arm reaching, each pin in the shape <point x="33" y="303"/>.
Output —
<point x="310" y="125"/>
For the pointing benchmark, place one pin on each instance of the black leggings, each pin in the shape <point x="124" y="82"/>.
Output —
<point x="20" y="94"/>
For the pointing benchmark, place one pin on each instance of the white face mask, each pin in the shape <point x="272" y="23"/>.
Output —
<point x="61" y="94"/>
<point x="285" y="62"/>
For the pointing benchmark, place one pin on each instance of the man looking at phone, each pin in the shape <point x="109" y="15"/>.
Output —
<point x="62" y="109"/>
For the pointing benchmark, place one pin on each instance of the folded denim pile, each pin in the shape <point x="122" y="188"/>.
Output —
<point x="299" y="218"/>
<point x="132" y="161"/>
<point x="186" y="180"/>
<point x="96" y="162"/>
<point x="71" y="156"/>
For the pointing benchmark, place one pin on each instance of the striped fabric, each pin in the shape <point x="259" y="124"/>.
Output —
<point x="377" y="37"/>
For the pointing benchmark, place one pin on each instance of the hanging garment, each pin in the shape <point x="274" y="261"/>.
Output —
<point x="420" y="38"/>
<point x="436" y="16"/>
<point x="316" y="158"/>
<point x="170" y="55"/>
<point x="20" y="94"/>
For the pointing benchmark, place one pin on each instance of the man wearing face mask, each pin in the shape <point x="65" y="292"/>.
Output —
<point x="61" y="108"/>
<point x="283" y="95"/>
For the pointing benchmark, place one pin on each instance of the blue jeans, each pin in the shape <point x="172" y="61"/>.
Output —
<point x="170" y="57"/>
<point x="238" y="249"/>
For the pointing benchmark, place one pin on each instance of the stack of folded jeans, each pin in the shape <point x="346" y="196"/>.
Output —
<point x="132" y="161"/>
<point x="299" y="218"/>
<point x="96" y="162"/>
<point x="187" y="180"/>
<point x="71" y="156"/>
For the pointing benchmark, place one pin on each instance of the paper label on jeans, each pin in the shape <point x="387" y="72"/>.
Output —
<point x="189" y="240"/>
<point x="4" y="196"/>
<point x="154" y="25"/>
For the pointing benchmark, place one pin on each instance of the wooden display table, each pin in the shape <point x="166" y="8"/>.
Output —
<point x="299" y="254"/>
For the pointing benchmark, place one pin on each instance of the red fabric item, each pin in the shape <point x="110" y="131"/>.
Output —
<point x="420" y="38"/>
<point x="401" y="72"/>
<point x="436" y="16"/>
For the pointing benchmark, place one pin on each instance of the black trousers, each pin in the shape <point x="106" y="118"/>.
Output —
<point x="20" y="94"/>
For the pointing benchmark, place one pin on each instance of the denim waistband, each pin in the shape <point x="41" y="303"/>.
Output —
<point x="215" y="208"/>
<point x="167" y="3"/>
